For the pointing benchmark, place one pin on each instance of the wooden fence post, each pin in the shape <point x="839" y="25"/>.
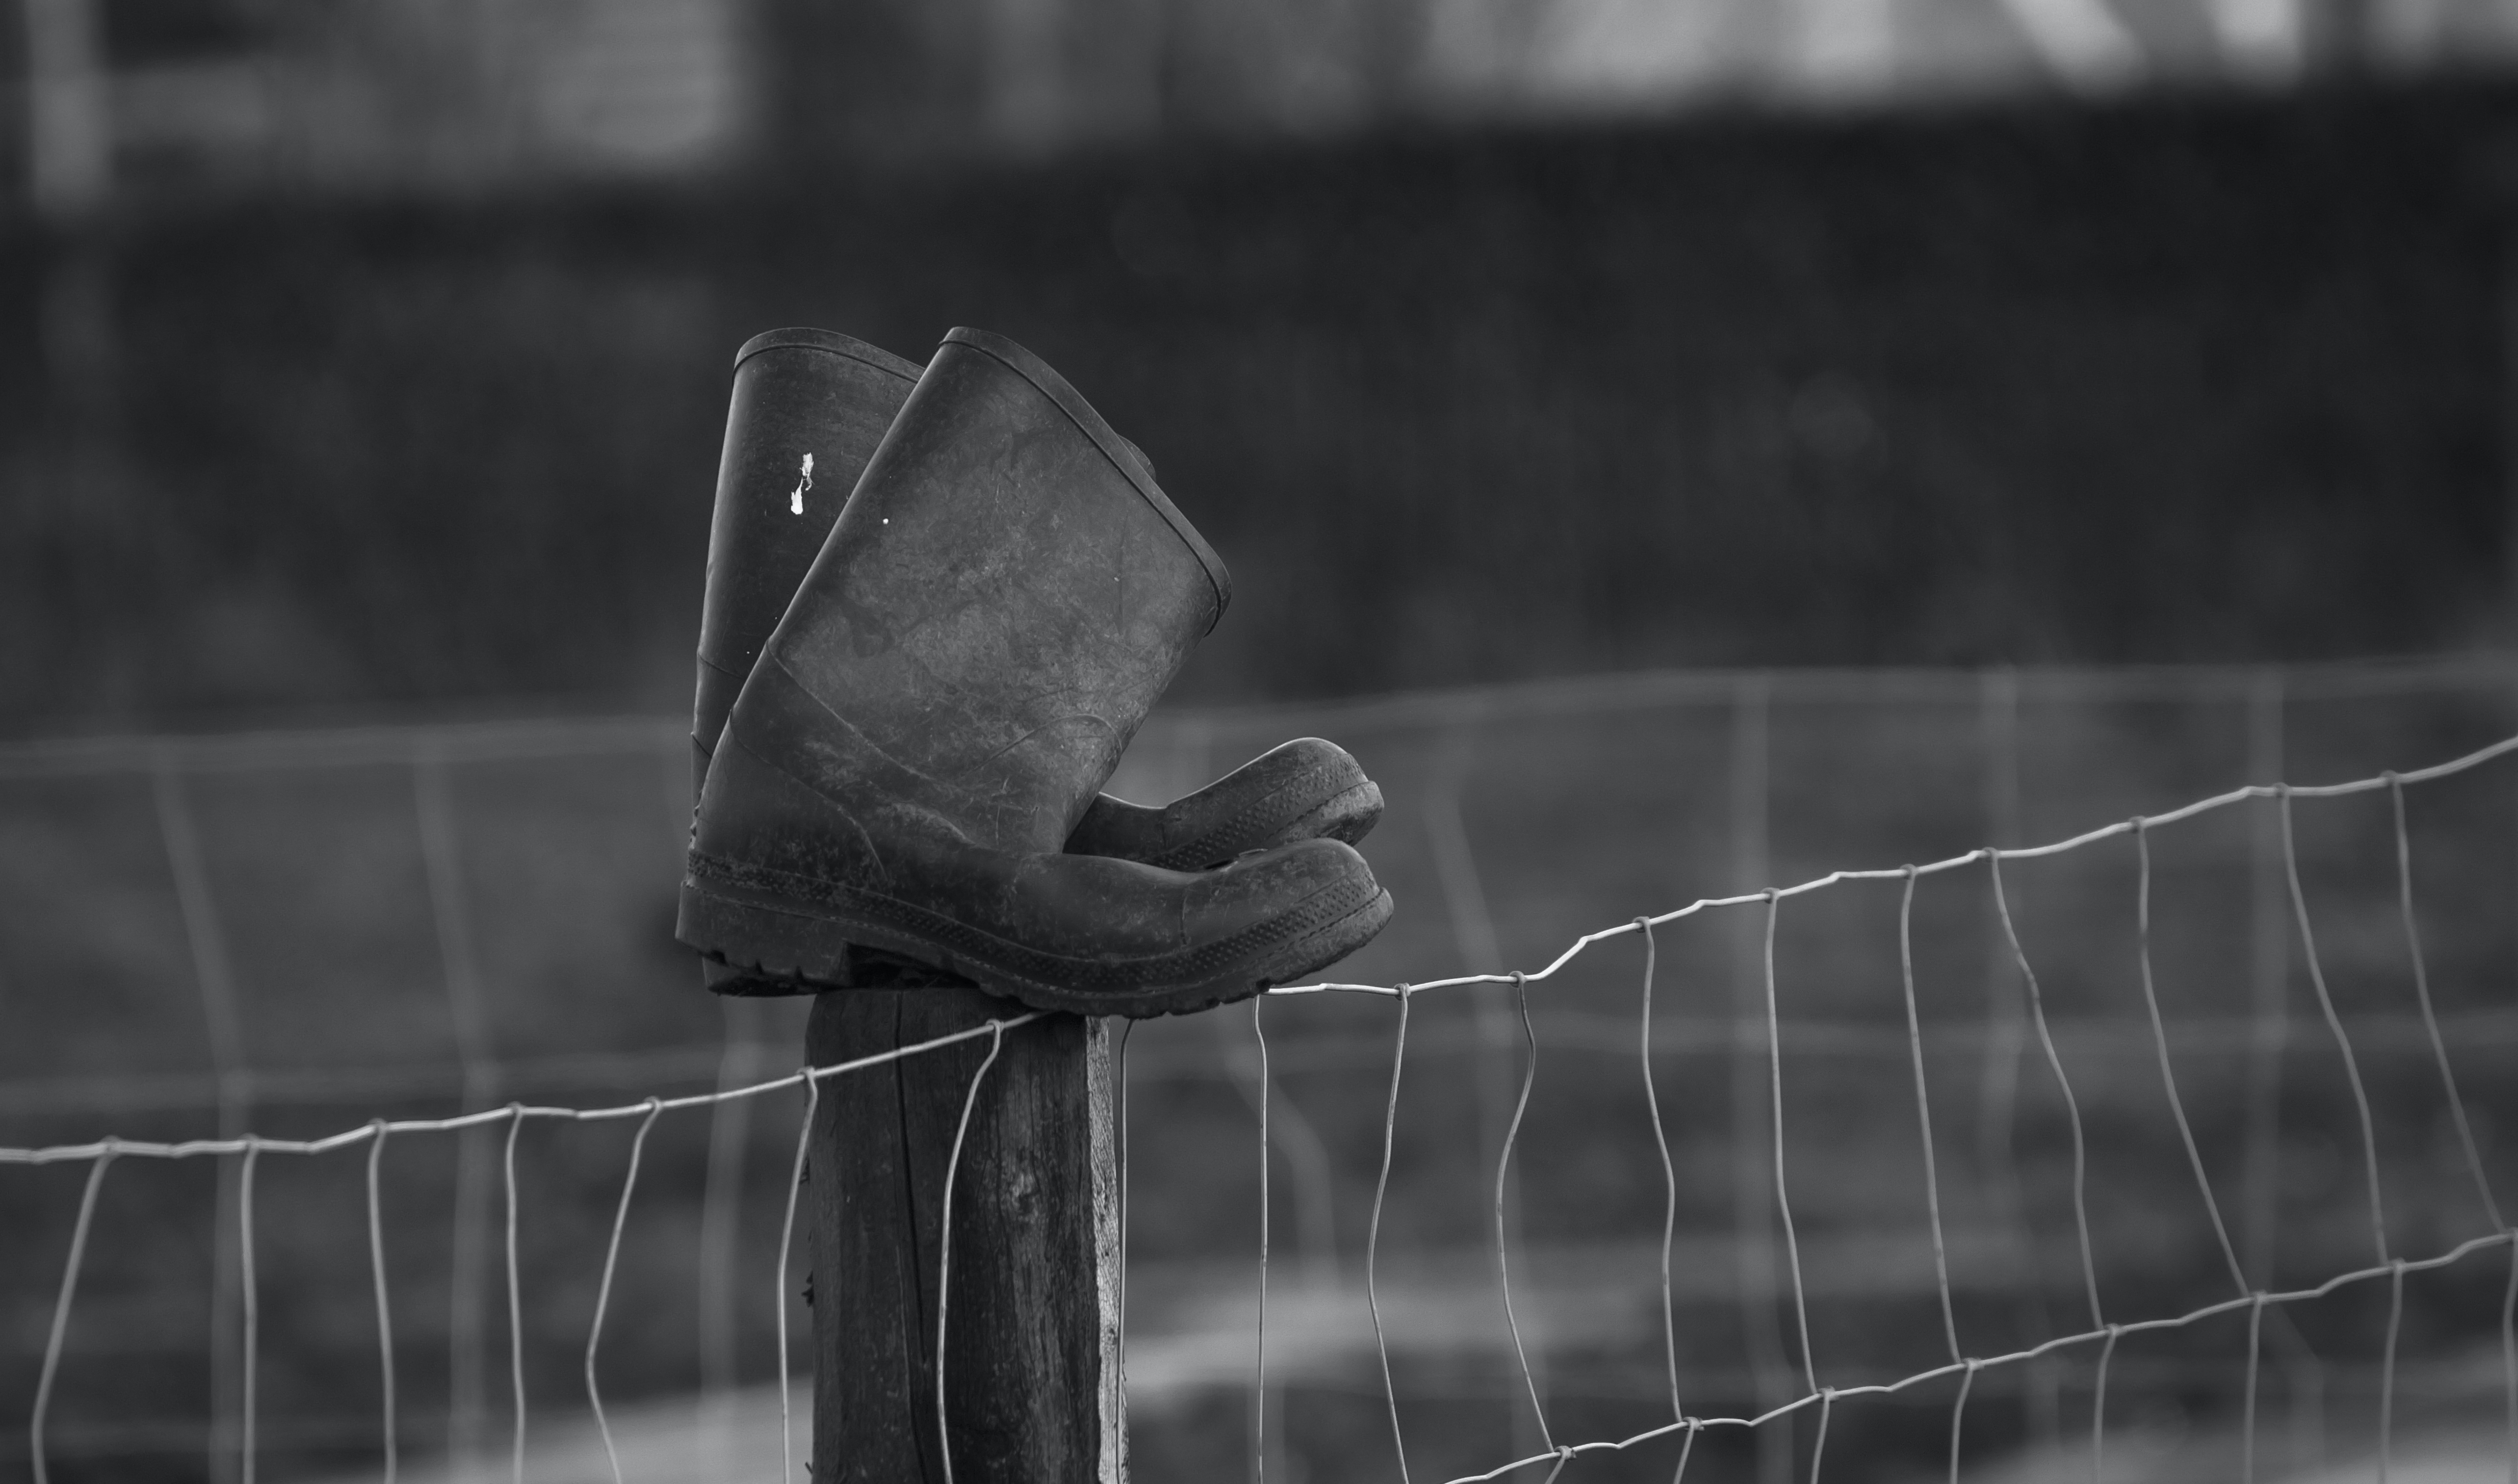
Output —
<point x="1031" y="1384"/>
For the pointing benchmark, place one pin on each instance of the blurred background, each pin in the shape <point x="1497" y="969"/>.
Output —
<point x="1679" y="445"/>
<point x="376" y="356"/>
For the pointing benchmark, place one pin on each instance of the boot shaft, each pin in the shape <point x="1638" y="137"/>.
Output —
<point x="1004" y="597"/>
<point x="798" y="395"/>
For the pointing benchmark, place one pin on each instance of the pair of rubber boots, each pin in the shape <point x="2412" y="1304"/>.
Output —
<point x="939" y="603"/>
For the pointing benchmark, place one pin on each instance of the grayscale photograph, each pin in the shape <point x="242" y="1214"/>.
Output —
<point x="1259" y="741"/>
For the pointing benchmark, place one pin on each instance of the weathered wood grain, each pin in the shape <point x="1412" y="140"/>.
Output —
<point x="1031" y="1377"/>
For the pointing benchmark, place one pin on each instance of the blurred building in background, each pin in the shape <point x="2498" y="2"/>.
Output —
<point x="428" y="94"/>
<point x="462" y="95"/>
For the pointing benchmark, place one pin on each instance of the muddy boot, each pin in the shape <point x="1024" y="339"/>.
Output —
<point x="807" y="410"/>
<point x="1002" y="598"/>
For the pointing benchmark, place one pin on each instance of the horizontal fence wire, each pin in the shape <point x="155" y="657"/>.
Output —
<point x="488" y="1118"/>
<point x="1566" y="1030"/>
<point x="397" y="746"/>
<point x="2102" y="1333"/>
<point x="1982" y="856"/>
<point x="101" y="1154"/>
<point x="1973" y="1364"/>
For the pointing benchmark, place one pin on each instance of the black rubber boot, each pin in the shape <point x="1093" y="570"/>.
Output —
<point x="1002" y="600"/>
<point x="808" y="409"/>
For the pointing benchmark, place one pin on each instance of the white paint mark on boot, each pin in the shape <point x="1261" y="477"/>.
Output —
<point x="795" y="501"/>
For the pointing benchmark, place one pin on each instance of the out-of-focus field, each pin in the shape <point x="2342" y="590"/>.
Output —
<point x="326" y="928"/>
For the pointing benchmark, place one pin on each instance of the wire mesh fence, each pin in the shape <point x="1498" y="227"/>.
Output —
<point x="2121" y="1154"/>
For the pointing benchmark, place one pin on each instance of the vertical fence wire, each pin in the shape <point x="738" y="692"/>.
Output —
<point x="515" y="1289"/>
<point x="1668" y="1179"/>
<point x="58" y="1335"/>
<point x="450" y="911"/>
<point x="213" y="978"/>
<point x="1686" y="1450"/>
<point x="944" y="1244"/>
<point x="1293" y="1137"/>
<point x="2268" y="1048"/>
<point x="2062" y="1084"/>
<point x="2099" y="1409"/>
<point x="2268" y="979"/>
<point x="2006" y="1046"/>
<point x="1753" y="1237"/>
<point x="2334" y="1024"/>
<point x="467" y="1336"/>
<point x="1504" y="1169"/>
<point x="1283" y="1130"/>
<point x="1958" y="1418"/>
<point x="2387" y="1371"/>
<point x="1373" y="1234"/>
<point x="786" y="1236"/>
<point x="2509" y="1359"/>
<point x="2247" y="1406"/>
<point x="384" y="1298"/>
<point x="1775" y="1115"/>
<point x="1259" y="1363"/>
<point x="1119" y="1143"/>
<point x="2167" y="1069"/>
<point x="1473" y="935"/>
<point x="2270" y="934"/>
<point x="2430" y="1016"/>
<point x="1924" y="1116"/>
<point x="721" y="1201"/>
<point x="249" y="1291"/>
<point x="603" y="1288"/>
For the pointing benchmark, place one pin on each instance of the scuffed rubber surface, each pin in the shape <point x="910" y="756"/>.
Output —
<point x="792" y="929"/>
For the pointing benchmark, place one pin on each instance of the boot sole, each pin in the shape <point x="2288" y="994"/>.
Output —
<point x="863" y="968"/>
<point x="805" y="947"/>
<point x="1347" y="815"/>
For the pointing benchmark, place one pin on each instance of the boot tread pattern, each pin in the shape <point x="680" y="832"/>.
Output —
<point x="1263" y="822"/>
<point x="775" y="904"/>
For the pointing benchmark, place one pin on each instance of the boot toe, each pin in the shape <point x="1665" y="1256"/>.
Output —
<point x="1302" y="790"/>
<point x="1265" y="885"/>
<point x="1278" y="915"/>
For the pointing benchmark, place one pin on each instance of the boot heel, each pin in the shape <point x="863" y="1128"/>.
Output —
<point x="759" y="939"/>
<point x="775" y="950"/>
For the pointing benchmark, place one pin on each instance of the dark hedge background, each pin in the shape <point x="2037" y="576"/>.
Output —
<point x="2174" y="379"/>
